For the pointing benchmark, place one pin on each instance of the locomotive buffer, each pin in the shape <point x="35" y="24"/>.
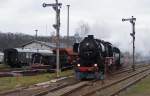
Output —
<point x="132" y="21"/>
<point x="56" y="6"/>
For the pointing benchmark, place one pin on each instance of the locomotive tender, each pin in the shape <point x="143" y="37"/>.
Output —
<point x="95" y="58"/>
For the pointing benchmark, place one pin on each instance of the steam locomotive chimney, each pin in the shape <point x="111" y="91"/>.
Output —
<point x="91" y="36"/>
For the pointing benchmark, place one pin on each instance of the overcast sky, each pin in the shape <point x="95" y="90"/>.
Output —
<point x="103" y="16"/>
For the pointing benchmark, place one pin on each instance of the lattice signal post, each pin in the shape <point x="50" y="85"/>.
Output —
<point x="56" y="6"/>
<point x="132" y="21"/>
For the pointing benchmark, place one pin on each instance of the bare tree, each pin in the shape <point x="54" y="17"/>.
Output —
<point x="13" y="40"/>
<point x="77" y="37"/>
<point x="81" y="31"/>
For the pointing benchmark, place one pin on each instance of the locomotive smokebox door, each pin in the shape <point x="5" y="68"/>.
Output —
<point x="75" y="47"/>
<point x="91" y="36"/>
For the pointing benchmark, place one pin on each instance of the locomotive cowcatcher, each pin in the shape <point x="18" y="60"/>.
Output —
<point x="95" y="58"/>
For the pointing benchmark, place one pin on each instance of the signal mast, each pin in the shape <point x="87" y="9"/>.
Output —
<point x="56" y="6"/>
<point x="132" y="21"/>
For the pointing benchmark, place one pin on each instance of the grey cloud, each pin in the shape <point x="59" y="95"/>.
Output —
<point x="104" y="17"/>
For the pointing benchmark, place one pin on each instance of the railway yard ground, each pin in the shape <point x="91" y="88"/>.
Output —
<point x="140" y="89"/>
<point x="8" y="83"/>
<point x="111" y="87"/>
<point x="4" y="67"/>
<point x="119" y="84"/>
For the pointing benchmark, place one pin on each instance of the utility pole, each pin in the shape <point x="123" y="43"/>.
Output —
<point x="56" y="6"/>
<point x="68" y="25"/>
<point x="36" y="31"/>
<point x="132" y="21"/>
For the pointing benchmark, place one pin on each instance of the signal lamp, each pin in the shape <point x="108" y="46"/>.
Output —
<point x="95" y="65"/>
<point x="78" y="65"/>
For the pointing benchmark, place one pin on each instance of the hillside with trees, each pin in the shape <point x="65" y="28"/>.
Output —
<point x="13" y="40"/>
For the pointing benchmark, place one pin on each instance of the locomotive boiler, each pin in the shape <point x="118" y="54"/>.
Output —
<point x="95" y="58"/>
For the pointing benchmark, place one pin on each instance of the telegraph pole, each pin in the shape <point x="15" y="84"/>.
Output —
<point x="132" y="21"/>
<point x="68" y="25"/>
<point x="56" y="6"/>
<point x="36" y="31"/>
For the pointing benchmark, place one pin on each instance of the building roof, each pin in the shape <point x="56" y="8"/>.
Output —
<point x="51" y="45"/>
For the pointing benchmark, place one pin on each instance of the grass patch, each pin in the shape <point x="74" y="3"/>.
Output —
<point x="4" y="66"/>
<point x="7" y="83"/>
<point x="140" y="89"/>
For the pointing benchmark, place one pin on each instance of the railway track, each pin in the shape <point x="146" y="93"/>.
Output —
<point x="114" y="88"/>
<point x="44" y="92"/>
<point x="41" y="89"/>
<point x="69" y="87"/>
<point x="96" y="88"/>
<point x="126" y="69"/>
<point x="28" y="72"/>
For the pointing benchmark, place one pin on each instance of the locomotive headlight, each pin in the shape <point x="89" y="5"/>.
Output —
<point x="95" y="65"/>
<point x="78" y="65"/>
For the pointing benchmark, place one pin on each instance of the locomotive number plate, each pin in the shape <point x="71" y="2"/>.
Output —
<point x="91" y="69"/>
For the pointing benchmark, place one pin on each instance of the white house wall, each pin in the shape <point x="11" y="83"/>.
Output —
<point x="1" y="57"/>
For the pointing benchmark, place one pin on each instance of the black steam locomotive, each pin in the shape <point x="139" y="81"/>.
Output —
<point x="95" y="57"/>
